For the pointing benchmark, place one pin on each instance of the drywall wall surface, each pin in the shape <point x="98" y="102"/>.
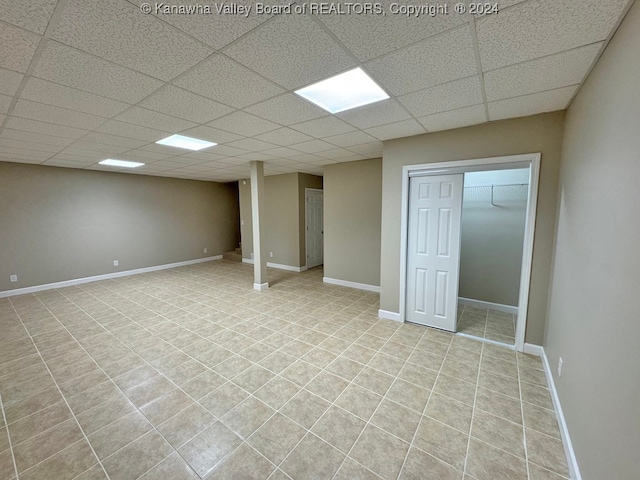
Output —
<point x="539" y="133"/>
<point x="352" y="209"/>
<point x="593" y="308"/>
<point x="60" y="224"/>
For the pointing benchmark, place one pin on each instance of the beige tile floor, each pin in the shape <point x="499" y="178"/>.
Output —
<point x="190" y="373"/>
<point x="487" y="323"/>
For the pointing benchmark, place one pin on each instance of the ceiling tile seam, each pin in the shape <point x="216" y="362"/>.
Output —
<point x="476" y="52"/>
<point x="534" y="93"/>
<point x="491" y="70"/>
<point x="38" y="141"/>
<point x="48" y="123"/>
<point x="44" y="38"/>
<point x="613" y="31"/>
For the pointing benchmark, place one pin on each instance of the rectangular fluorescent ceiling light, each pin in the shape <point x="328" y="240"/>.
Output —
<point x="120" y="163"/>
<point x="188" y="143"/>
<point x="343" y="92"/>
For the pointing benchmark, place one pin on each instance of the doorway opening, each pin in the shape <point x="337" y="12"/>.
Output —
<point x="446" y="253"/>
<point x="314" y="228"/>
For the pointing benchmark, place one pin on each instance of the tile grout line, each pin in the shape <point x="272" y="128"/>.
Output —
<point x="415" y="434"/>
<point x="473" y="411"/>
<point x="61" y="394"/>
<point x="6" y="426"/>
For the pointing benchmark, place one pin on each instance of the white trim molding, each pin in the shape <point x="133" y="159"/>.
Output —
<point x="261" y="286"/>
<point x="106" y="276"/>
<point x="574" y="470"/>
<point x="491" y="306"/>
<point x="386" y="314"/>
<point x="278" y="266"/>
<point x="346" y="283"/>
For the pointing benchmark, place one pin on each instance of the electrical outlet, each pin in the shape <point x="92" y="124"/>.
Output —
<point x="271" y="254"/>
<point x="204" y="251"/>
<point x="116" y="263"/>
<point x="13" y="278"/>
<point x="560" y="367"/>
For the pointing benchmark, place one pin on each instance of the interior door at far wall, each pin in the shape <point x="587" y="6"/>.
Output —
<point x="315" y="229"/>
<point x="433" y="253"/>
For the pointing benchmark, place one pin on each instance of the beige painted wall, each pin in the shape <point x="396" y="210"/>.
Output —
<point x="539" y="133"/>
<point x="593" y="309"/>
<point x="352" y="209"/>
<point x="284" y="217"/>
<point x="61" y="224"/>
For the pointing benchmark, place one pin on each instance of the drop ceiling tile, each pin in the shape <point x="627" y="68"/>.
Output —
<point x="57" y="115"/>
<point x="336" y="154"/>
<point x="284" y="137"/>
<point x="54" y="162"/>
<point x="251" y="144"/>
<point x="18" y="47"/>
<point x="5" y="101"/>
<point x="35" y="126"/>
<point x="216" y="30"/>
<point x="379" y="113"/>
<point x="33" y="15"/>
<point x="228" y="82"/>
<point x="205" y="156"/>
<point x="71" y="67"/>
<point x="547" y="73"/>
<point x="113" y="140"/>
<point x="155" y="120"/>
<point x="80" y="147"/>
<point x="122" y="129"/>
<point x="149" y="155"/>
<point x="9" y="81"/>
<point x="216" y="135"/>
<point x="287" y="110"/>
<point x="244" y="124"/>
<point x="19" y="159"/>
<point x="405" y="128"/>
<point x="227" y="151"/>
<point x="119" y="32"/>
<point x="31" y="137"/>
<point x="42" y="91"/>
<point x="2" y="117"/>
<point x="313" y="146"/>
<point x="549" y="101"/>
<point x="282" y="152"/>
<point x="543" y="27"/>
<point x="255" y="156"/>
<point x="368" y="148"/>
<point x="50" y="149"/>
<point x="371" y="35"/>
<point x="461" y="117"/>
<point x="448" y="96"/>
<point x="164" y="150"/>
<point x="182" y="104"/>
<point x="350" y="139"/>
<point x="291" y="50"/>
<point x="323" y="127"/>
<point x="439" y="59"/>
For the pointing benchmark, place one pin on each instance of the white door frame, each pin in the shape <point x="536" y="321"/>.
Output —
<point x="531" y="160"/>
<point x="306" y="224"/>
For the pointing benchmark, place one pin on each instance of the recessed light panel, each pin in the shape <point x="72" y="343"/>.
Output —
<point x="343" y="92"/>
<point x="120" y="163"/>
<point x="188" y="143"/>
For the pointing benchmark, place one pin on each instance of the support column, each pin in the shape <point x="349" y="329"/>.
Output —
<point x="257" y="216"/>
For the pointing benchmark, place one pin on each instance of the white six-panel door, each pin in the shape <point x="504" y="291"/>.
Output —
<point x="433" y="253"/>
<point x="315" y="227"/>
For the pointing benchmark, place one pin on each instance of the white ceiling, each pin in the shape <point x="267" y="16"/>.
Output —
<point x="85" y="80"/>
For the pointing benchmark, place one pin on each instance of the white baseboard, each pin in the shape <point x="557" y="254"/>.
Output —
<point x="346" y="283"/>
<point x="106" y="276"/>
<point x="278" y="266"/>
<point x="261" y="286"/>
<point x="574" y="471"/>
<point x="493" y="306"/>
<point x="389" y="315"/>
